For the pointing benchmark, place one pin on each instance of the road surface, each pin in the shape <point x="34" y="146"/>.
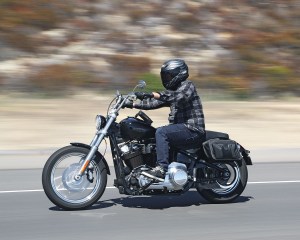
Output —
<point x="269" y="208"/>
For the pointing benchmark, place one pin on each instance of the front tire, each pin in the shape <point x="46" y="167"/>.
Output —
<point x="226" y="192"/>
<point x="60" y="185"/>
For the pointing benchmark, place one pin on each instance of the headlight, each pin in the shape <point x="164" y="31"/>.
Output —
<point x="100" y="122"/>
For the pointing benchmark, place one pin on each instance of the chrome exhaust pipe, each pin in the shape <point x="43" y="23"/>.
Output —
<point x="153" y="177"/>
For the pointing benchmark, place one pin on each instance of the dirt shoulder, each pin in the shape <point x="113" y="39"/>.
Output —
<point x="37" y="124"/>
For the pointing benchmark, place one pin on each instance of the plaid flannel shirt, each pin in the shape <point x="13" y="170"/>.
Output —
<point x="184" y="103"/>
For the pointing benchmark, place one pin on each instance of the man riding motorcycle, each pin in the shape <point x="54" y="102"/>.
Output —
<point x="75" y="176"/>
<point x="187" y="126"/>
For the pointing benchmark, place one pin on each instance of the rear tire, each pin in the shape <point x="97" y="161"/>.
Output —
<point x="225" y="194"/>
<point x="60" y="186"/>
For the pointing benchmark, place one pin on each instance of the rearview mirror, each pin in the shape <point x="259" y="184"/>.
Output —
<point x="142" y="84"/>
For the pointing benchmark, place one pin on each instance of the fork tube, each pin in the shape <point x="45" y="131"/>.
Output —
<point x="94" y="140"/>
<point x="95" y="144"/>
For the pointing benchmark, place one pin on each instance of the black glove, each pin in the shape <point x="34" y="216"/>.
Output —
<point x="143" y="95"/>
<point x="128" y="104"/>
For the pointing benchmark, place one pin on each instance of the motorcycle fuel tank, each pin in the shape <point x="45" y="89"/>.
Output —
<point x="135" y="129"/>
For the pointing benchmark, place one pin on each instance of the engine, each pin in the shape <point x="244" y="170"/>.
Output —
<point x="140" y="157"/>
<point x="175" y="178"/>
<point x="136" y="154"/>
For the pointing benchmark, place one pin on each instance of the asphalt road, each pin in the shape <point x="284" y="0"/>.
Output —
<point x="269" y="208"/>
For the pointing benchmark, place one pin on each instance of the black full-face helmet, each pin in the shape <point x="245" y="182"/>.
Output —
<point x="173" y="72"/>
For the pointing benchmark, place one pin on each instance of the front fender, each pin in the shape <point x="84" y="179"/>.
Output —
<point x="98" y="154"/>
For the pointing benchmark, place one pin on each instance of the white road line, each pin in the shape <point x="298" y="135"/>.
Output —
<point x="274" y="182"/>
<point x="33" y="190"/>
<point x="41" y="190"/>
<point x="22" y="191"/>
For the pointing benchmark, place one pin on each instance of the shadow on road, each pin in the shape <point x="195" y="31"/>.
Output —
<point x="191" y="198"/>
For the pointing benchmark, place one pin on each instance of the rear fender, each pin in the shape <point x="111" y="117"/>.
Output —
<point x="246" y="156"/>
<point x="98" y="154"/>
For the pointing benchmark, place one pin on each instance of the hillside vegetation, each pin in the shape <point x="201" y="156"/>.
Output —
<point x="246" y="47"/>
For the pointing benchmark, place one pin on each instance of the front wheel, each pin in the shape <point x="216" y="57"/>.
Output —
<point x="59" y="181"/>
<point x="225" y="191"/>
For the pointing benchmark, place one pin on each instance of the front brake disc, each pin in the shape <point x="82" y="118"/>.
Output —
<point x="69" y="182"/>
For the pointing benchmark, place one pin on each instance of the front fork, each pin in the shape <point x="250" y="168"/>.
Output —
<point x="86" y="162"/>
<point x="95" y="145"/>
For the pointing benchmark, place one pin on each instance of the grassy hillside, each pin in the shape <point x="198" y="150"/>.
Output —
<point x="246" y="47"/>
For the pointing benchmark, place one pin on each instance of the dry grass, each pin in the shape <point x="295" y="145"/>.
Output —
<point x="59" y="78"/>
<point x="20" y="18"/>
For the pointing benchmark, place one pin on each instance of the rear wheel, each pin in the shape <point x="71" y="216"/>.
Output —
<point x="225" y="191"/>
<point x="59" y="181"/>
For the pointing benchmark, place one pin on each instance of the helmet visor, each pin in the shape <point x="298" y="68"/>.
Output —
<point x="166" y="77"/>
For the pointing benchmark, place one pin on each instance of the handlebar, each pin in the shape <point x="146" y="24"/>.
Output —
<point x="120" y="100"/>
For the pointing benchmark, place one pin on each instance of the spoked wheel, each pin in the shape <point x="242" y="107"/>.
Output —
<point x="228" y="188"/>
<point x="60" y="184"/>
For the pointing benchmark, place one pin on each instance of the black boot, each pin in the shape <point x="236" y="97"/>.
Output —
<point x="158" y="171"/>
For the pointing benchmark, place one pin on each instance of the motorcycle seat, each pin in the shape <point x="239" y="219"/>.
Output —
<point x="212" y="135"/>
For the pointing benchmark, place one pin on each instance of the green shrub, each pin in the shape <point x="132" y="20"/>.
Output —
<point x="280" y="78"/>
<point x="128" y="68"/>
<point x="277" y="71"/>
<point x="237" y="86"/>
<point x="1" y="80"/>
<point x="153" y="82"/>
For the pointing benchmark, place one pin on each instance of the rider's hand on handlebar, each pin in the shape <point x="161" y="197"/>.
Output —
<point x="128" y="104"/>
<point x="143" y="95"/>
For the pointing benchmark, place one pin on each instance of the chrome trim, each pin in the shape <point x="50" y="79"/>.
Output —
<point x="64" y="193"/>
<point x="153" y="177"/>
<point x="225" y="189"/>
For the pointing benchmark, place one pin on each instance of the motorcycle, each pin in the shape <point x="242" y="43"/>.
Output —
<point x="75" y="176"/>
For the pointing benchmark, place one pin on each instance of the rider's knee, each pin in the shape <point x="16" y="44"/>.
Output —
<point x="160" y="131"/>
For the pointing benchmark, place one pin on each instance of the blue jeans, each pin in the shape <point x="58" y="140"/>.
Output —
<point x="175" y="135"/>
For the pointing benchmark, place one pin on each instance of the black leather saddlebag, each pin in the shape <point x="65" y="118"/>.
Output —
<point x="218" y="150"/>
